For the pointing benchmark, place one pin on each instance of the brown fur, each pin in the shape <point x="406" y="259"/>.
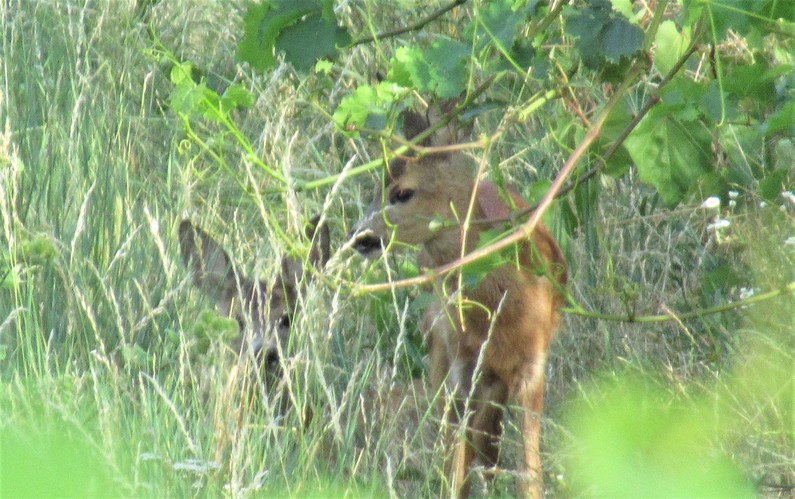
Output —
<point x="504" y="323"/>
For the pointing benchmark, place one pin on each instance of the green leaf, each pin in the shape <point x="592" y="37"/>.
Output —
<point x="310" y="40"/>
<point x="474" y="272"/>
<point x="448" y="61"/>
<point x="671" y="155"/>
<point x="236" y="96"/>
<point x="741" y="16"/>
<point x="264" y="23"/>
<point x="614" y="125"/>
<point x="671" y="45"/>
<point x="212" y="327"/>
<point x="501" y="21"/>
<point x="630" y="425"/>
<point x="603" y="37"/>
<point x="441" y="69"/>
<point x="409" y="69"/>
<point x="773" y="184"/>
<point x="367" y="107"/>
<point x="782" y="120"/>
<point x="305" y="30"/>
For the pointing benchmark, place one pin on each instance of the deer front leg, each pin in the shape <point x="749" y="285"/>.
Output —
<point x="530" y="398"/>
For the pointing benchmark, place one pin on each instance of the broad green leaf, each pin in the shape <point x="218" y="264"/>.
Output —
<point x="264" y="23"/>
<point x="613" y="126"/>
<point x="305" y="30"/>
<point x="409" y="69"/>
<point x="754" y="81"/>
<point x="671" y="155"/>
<point x="774" y="183"/>
<point x="311" y="39"/>
<point x="448" y="60"/>
<point x="671" y="45"/>
<point x="236" y="96"/>
<point x="603" y="37"/>
<point x="782" y="120"/>
<point x="474" y="272"/>
<point x="501" y="22"/>
<point x="635" y="442"/>
<point x="741" y="16"/>
<point x="624" y="7"/>
<point x="440" y="69"/>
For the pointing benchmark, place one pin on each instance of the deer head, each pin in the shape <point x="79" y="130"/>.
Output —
<point x="414" y="192"/>
<point x="263" y="312"/>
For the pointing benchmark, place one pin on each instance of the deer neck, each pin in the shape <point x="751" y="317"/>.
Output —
<point x="452" y="243"/>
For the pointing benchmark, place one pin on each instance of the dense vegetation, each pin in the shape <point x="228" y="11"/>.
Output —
<point x="657" y="136"/>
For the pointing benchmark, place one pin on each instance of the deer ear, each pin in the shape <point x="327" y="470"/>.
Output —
<point x="453" y="131"/>
<point x="290" y="276"/>
<point x="414" y="124"/>
<point x="211" y="266"/>
<point x="321" y="242"/>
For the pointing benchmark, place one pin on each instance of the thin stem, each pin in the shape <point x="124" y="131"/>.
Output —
<point x="411" y="27"/>
<point x="753" y="300"/>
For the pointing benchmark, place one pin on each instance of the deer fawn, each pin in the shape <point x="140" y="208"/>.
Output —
<point x="263" y="312"/>
<point x="501" y="327"/>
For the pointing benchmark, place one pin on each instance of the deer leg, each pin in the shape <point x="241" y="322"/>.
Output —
<point x="485" y="425"/>
<point x="530" y="398"/>
<point x="459" y="450"/>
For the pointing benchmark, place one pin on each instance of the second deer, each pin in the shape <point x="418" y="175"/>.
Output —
<point x="487" y="342"/>
<point x="263" y="312"/>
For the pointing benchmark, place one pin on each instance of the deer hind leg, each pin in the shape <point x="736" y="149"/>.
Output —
<point x="529" y="395"/>
<point x="485" y="424"/>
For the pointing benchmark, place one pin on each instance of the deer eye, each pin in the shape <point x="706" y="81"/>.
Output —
<point x="284" y="321"/>
<point x="400" y="196"/>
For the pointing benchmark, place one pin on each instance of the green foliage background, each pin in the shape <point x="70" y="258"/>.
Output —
<point x="118" y="121"/>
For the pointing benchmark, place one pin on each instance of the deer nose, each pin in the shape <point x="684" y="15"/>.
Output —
<point x="271" y="359"/>
<point x="365" y="243"/>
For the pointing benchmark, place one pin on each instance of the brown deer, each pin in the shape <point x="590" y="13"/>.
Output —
<point x="488" y="342"/>
<point x="263" y="312"/>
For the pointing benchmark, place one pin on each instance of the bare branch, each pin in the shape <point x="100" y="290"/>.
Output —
<point x="412" y="27"/>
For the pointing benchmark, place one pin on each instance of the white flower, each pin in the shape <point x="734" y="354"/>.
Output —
<point x="746" y="293"/>
<point x="789" y="196"/>
<point x="718" y="224"/>
<point x="733" y="194"/>
<point x="790" y="241"/>
<point x="711" y="203"/>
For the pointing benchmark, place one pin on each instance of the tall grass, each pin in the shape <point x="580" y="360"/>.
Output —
<point x="99" y="358"/>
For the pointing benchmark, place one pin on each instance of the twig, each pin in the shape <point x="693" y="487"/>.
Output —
<point x="406" y="29"/>
<point x="753" y="300"/>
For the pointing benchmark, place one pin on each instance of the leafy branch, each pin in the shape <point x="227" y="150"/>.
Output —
<point x="597" y="169"/>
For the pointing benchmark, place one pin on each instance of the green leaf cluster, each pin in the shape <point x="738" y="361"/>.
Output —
<point x="304" y="31"/>
<point x="368" y="107"/>
<point x="604" y="38"/>
<point x="194" y="99"/>
<point x="210" y="327"/>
